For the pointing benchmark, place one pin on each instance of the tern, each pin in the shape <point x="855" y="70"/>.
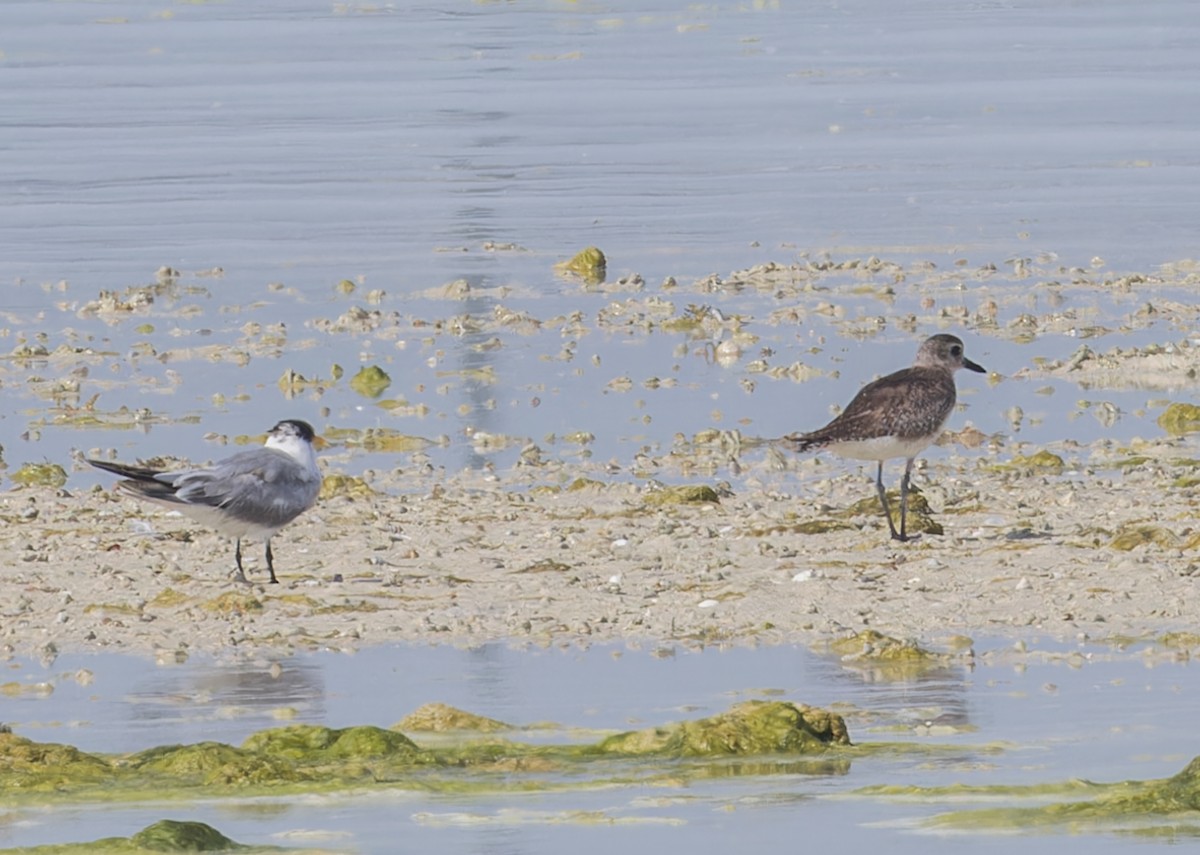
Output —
<point x="252" y="494"/>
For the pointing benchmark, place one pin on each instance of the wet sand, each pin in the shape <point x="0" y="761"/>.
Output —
<point x="1103" y="546"/>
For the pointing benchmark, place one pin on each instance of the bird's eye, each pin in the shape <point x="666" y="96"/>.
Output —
<point x="956" y="351"/>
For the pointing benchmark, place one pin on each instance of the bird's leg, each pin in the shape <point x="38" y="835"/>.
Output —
<point x="271" y="563"/>
<point x="887" y="512"/>
<point x="237" y="555"/>
<point x="904" y="498"/>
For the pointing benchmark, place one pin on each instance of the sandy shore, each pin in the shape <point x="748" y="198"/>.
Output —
<point x="1102" y="546"/>
<point x="1070" y="541"/>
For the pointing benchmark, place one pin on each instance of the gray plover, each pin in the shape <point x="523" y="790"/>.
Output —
<point x="252" y="494"/>
<point x="896" y="416"/>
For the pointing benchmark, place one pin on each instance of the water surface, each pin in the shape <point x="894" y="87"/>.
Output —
<point x="404" y="147"/>
<point x="1046" y="712"/>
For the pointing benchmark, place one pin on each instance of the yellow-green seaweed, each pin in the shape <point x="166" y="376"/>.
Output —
<point x="309" y="742"/>
<point x="28" y="767"/>
<point x="1111" y="803"/>
<point x="311" y="758"/>
<point x="370" y="381"/>
<point x="169" y="835"/>
<point x="1179" y="419"/>
<point x="40" y="475"/>
<point x="751" y="727"/>
<point x="589" y="264"/>
<point x="233" y="602"/>
<point x="166" y="835"/>
<point x="377" y="439"/>
<point x="892" y="657"/>
<point x="683" y="494"/>
<point x="349" y="486"/>
<point x="440" y="718"/>
<point x="920" y="515"/>
<point x="1131" y="537"/>
<point x="209" y="764"/>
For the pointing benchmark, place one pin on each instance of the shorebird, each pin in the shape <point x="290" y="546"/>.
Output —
<point x="896" y="416"/>
<point x="252" y="494"/>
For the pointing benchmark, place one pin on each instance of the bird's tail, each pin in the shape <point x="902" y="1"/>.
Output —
<point x="137" y="473"/>
<point x="799" y="441"/>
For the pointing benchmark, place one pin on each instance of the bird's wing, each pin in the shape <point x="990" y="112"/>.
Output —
<point x="241" y="477"/>
<point x="886" y="408"/>
<point x="263" y="486"/>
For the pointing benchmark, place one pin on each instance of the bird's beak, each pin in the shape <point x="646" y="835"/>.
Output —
<point x="974" y="366"/>
<point x="320" y="443"/>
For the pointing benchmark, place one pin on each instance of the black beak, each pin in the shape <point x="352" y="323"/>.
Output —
<point x="974" y="366"/>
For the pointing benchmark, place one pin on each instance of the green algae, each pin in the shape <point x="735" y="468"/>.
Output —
<point x="166" y="835"/>
<point x="751" y="727"/>
<point x="1042" y="462"/>
<point x="126" y="609"/>
<point x="311" y="743"/>
<point x="172" y="836"/>
<point x="213" y="764"/>
<point x="890" y="658"/>
<point x="1131" y="462"/>
<point x="169" y="598"/>
<point x="588" y="264"/>
<point x="15" y="690"/>
<point x="545" y="565"/>
<point x="1179" y="419"/>
<point x="40" y="475"/>
<point x="316" y="759"/>
<point x="440" y="718"/>
<point x="36" y="767"/>
<point x="821" y="526"/>
<point x="1179" y="640"/>
<point x="348" y="486"/>
<point x="876" y="645"/>
<point x="233" y="603"/>
<point x="370" y="381"/>
<point x="378" y="439"/>
<point x="1131" y="537"/>
<point x="683" y="494"/>
<point x="1177" y="796"/>
<point x="347" y="606"/>
<point x="920" y="515"/>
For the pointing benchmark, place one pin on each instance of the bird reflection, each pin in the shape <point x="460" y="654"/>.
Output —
<point x="190" y="691"/>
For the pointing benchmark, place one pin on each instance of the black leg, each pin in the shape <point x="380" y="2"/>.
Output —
<point x="271" y="563"/>
<point x="237" y="555"/>
<point x="883" y="500"/>
<point x="904" y="499"/>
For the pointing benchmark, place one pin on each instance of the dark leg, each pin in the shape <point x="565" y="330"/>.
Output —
<point x="883" y="500"/>
<point x="904" y="498"/>
<point x="271" y="563"/>
<point x="237" y="554"/>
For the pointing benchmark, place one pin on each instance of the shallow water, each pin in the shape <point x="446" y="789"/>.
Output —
<point x="405" y="147"/>
<point x="1056" y="713"/>
<point x="303" y="143"/>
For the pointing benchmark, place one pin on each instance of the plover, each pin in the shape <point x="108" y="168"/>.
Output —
<point x="896" y="416"/>
<point x="252" y="494"/>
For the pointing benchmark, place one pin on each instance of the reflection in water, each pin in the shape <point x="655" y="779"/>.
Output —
<point x="473" y="224"/>
<point x="478" y="366"/>
<point x="923" y="694"/>
<point x="258" y="688"/>
<point x="491" y="675"/>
